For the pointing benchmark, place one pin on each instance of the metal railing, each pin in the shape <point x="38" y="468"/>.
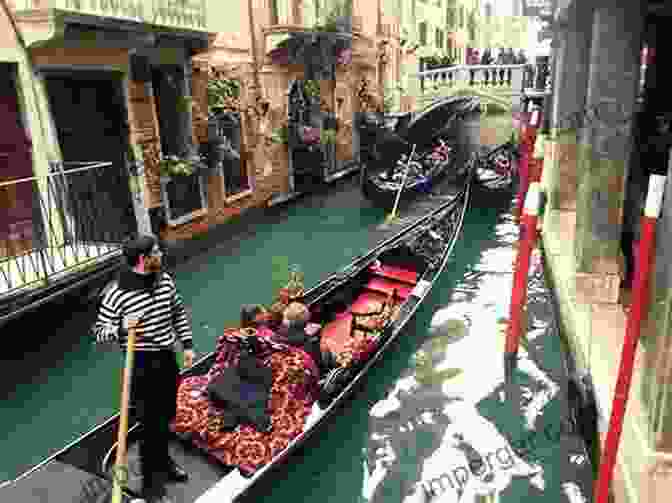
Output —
<point x="506" y="77"/>
<point x="66" y="221"/>
<point x="505" y="85"/>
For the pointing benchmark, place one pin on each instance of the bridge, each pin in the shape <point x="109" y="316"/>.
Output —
<point x="501" y="86"/>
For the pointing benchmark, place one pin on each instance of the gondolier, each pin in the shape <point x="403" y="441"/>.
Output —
<point x="146" y="294"/>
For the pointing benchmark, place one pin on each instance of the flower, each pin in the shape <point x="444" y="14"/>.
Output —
<point x="279" y="56"/>
<point x="344" y="57"/>
<point x="310" y="135"/>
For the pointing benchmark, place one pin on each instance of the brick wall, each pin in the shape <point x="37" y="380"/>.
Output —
<point x="144" y="131"/>
<point x="199" y="94"/>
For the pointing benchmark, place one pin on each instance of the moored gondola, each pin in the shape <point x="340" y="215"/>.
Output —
<point x="497" y="168"/>
<point x="361" y="309"/>
<point x="417" y="154"/>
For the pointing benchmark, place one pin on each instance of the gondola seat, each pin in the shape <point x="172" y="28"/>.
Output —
<point x="387" y="286"/>
<point x="395" y="273"/>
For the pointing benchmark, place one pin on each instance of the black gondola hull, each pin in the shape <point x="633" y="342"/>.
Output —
<point x="94" y="452"/>
<point x="433" y="123"/>
<point x="385" y="197"/>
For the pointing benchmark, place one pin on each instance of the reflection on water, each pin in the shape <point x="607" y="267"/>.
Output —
<point x="446" y="431"/>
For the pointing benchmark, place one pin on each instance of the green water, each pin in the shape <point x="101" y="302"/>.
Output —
<point x="61" y="386"/>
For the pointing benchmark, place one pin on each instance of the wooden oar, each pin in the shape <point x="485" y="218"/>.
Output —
<point x="393" y="215"/>
<point x="120" y="473"/>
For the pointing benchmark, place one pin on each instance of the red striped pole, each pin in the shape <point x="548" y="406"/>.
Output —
<point x="632" y="333"/>
<point x="527" y="148"/>
<point x="536" y="163"/>
<point x="528" y="235"/>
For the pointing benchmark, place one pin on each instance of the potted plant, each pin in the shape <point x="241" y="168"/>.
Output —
<point x="182" y="187"/>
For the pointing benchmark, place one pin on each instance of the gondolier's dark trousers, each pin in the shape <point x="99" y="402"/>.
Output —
<point x="154" y="397"/>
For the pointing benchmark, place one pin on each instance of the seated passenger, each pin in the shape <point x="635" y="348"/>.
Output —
<point x="296" y="330"/>
<point x="276" y="315"/>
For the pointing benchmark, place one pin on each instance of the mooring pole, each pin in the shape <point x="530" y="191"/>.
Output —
<point x="528" y="140"/>
<point x="632" y="332"/>
<point x="527" y="239"/>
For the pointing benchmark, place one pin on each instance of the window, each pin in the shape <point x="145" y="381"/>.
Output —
<point x="422" y="33"/>
<point x="439" y="38"/>
<point x="462" y="20"/>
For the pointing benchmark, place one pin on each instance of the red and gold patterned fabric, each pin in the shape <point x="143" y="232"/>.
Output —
<point x="351" y="349"/>
<point x="293" y="393"/>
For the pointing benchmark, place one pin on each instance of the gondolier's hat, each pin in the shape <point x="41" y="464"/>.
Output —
<point x="136" y="246"/>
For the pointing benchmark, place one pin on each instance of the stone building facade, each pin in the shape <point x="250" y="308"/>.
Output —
<point x="599" y="153"/>
<point x="117" y="81"/>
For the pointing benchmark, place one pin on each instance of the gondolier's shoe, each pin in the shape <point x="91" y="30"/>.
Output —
<point x="175" y="472"/>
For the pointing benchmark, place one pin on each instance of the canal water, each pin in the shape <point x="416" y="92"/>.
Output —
<point x="433" y="400"/>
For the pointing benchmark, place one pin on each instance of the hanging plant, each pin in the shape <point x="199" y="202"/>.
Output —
<point x="280" y="135"/>
<point x="312" y="88"/>
<point x="223" y="93"/>
<point x="328" y="136"/>
<point x="388" y="104"/>
<point x="339" y="19"/>
<point x="184" y="103"/>
<point x="173" y="166"/>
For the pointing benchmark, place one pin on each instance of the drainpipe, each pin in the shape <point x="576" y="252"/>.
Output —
<point x="632" y="334"/>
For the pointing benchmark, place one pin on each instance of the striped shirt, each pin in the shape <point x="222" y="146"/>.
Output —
<point x="163" y="317"/>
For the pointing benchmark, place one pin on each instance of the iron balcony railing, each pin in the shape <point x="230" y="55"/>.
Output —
<point x="64" y="222"/>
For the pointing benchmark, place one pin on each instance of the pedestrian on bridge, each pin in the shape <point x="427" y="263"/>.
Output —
<point x="487" y="59"/>
<point x="510" y="59"/>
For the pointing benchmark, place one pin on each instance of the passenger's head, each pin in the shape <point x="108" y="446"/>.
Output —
<point x="276" y="314"/>
<point x="251" y="315"/>
<point x="296" y="313"/>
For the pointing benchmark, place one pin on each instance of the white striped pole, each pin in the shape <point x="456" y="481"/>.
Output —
<point x="633" y="329"/>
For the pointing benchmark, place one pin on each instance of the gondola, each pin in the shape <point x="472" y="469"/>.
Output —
<point x="497" y="168"/>
<point x="372" y="299"/>
<point x="420" y="145"/>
